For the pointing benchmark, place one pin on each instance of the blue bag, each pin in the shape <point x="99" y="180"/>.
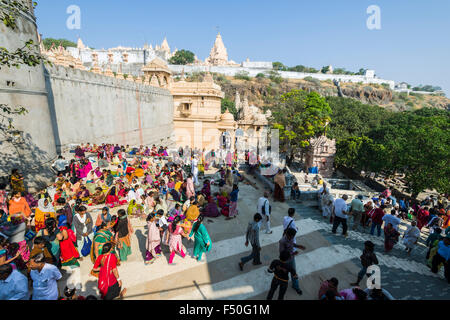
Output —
<point x="86" y="250"/>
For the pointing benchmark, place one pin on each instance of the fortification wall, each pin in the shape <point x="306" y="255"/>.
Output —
<point x="252" y="72"/>
<point x="98" y="109"/>
<point x="30" y="147"/>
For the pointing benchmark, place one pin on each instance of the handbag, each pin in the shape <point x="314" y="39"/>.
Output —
<point x="86" y="250"/>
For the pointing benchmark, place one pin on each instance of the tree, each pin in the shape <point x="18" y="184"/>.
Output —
<point x="49" y="42"/>
<point x="230" y="105"/>
<point x="27" y="55"/>
<point x="299" y="116"/>
<point x="325" y="69"/>
<point x="182" y="57"/>
<point x="279" y="66"/>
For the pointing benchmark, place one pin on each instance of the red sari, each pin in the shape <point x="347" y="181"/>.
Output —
<point x="106" y="278"/>
<point x="69" y="253"/>
<point x="422" y="218"/>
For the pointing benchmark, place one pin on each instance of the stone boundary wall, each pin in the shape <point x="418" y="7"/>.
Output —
<point x="90" y="107"/>
<point x="252" y="72"/>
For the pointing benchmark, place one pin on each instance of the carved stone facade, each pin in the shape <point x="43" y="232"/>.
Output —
<point x="321" y="155"/>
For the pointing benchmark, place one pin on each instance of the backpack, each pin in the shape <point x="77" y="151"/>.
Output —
<point x="284" y="232"/>
<point x="263" y="209"/>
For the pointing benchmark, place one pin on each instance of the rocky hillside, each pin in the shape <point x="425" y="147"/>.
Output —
<point x="262" y="91"/>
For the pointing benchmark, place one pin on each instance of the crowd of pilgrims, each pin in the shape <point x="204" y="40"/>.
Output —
<point x="383" y="214"/>
<point x="42" y="233"/>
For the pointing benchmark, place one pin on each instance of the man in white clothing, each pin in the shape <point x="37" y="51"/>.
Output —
<point x="340" y="214"/>
<point x="289" y="222"/>
<point x="263" y="208"/>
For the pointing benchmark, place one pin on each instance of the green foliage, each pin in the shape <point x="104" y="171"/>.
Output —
<point x="260" y="76"/>
<point x="230" y="105"/>
<point x="242" y="75"/>
<point x="275" y="77"/>
<point x="312" y="80"/>
<point x="279" y="66"/>
<point x="49" y="42"/>
<point x="182" y="57"/>
<point x="427" y="88"/>
<point x="301" y="68"/>
<point x="325" y="69"/>
<point x="413" y="142"/>
<point x="299" y="116"/>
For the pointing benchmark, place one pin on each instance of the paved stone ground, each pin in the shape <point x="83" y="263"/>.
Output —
<point x="405" y="276"/>
<point x="218" y="275"/>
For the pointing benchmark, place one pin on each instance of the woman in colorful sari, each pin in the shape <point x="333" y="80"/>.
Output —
<point x="135" y="209"/>
<point x="91" y="177"/>
<point x="211" y="209"/>
<point x="98" y="197"/>
<point x="109" y="178"/>
<point x="109" y="283"/>
<point x="69" y="254"/>
<point x="202" y="240"/>
<point x="192" y="215"/>
<point x="139" y="172"/>
<point x="16" y="181"/>
<point x="19" y="204"/>
<point x="153" y="244"/>
<point x="123" y="232"/>
<point x="206" y="188"/>
<point x="422" y="217"/>
<point x="233" y="211"/>
<point x="104" y="235"/>
<point x="390" y="237"/>
<point x="175" y="244"/>
<point x="83" y="194"/>
<point x="280" y="183"/>
<point x="79" y="152"/>
<point x="112" y="199"/>
<point x="103" y="217"/>
<point x="53" y="236"/>
<point x="44" y="211"/>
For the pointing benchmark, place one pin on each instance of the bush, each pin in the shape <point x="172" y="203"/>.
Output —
<point x="242" y="75"/>
<point x="313" y="80"/>
<point x="260" y="75"/>
<point x="275" y="77"/>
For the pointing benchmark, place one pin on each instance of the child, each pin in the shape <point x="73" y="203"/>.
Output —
<point x="280" y="269"/>
<point x="39" y="247"/>
<point x="153" y="244"/>
<point x="368" y="258"/>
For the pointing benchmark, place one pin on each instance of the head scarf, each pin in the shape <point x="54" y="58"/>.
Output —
<point x="43" y="208"/>
<point x="62" y="221"/>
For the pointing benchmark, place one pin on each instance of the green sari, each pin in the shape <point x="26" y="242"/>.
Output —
<point x="101" y="237"/>
<point x="201" y="239"/>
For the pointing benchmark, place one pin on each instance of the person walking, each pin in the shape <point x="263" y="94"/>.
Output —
<point x="109" y="282"/>
<point x="123" y="230"/>
<point x="357" y="210"/>
<point x="411" y="236"/>
<point x="287" y="244"/>
<point x="175" y="243"/>
<point x="13" y="284"/>
<point x="442" y="256"/>
<point x="377" y="220"/>
<point x="340" y="213"/>
<point x="264" y="209"/>
<point x="252" y="237"/>
<point x="153" y="244"/>
<point x="202" y="240"/>
<point x="280" y="269"/>
<point x="367" y="258"/>
<point x="45" y="277"/>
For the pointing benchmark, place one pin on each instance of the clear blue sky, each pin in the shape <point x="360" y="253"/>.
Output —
<point x="413" y="43"/>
